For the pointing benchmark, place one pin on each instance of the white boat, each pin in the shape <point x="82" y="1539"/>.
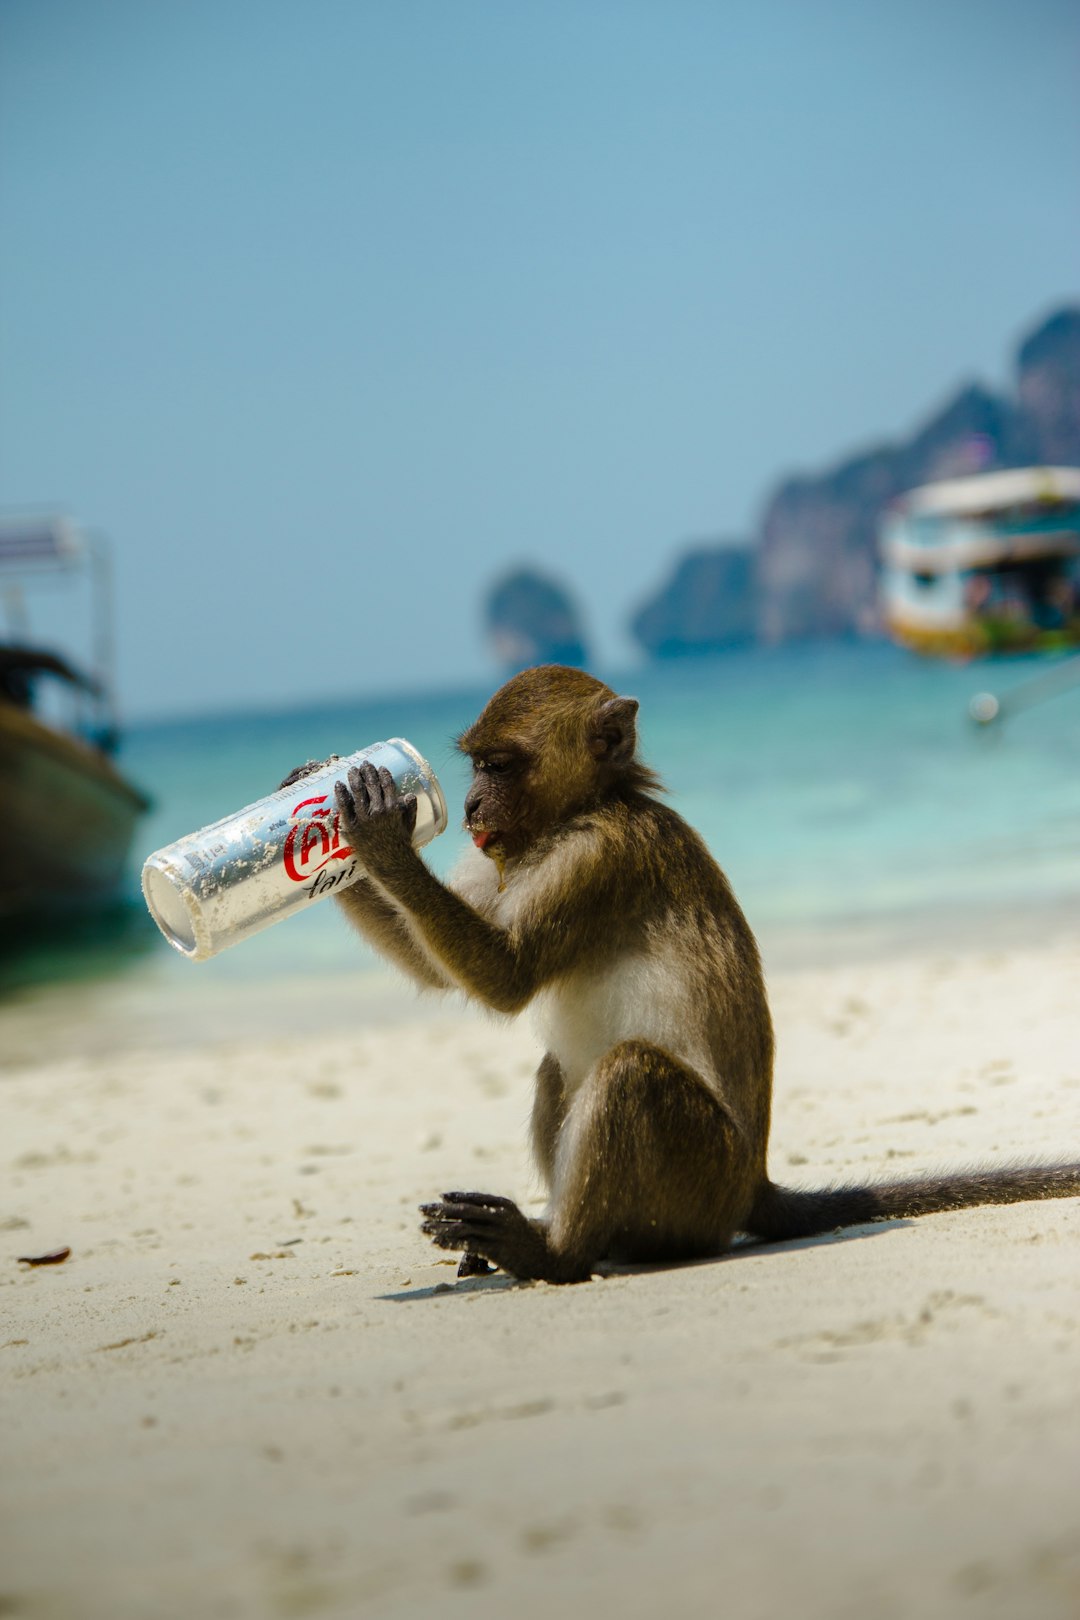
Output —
<point x="987" y="564"/>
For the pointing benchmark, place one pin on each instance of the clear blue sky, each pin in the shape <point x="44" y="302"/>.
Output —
<point x="328" y="312"/>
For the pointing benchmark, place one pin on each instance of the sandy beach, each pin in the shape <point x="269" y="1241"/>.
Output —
<point x="254" y="1389"/>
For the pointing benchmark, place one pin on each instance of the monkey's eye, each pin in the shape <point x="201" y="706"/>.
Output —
<point x="493" y="767"/>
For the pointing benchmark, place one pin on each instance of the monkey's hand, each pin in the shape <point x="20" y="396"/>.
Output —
<point x="484" y="1223"/>
<point x="305" y="770"/>
<point x="377" y="820"/>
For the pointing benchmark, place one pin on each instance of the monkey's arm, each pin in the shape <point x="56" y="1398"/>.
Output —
<point x="479" y="956"/>
<point x="383" y="926"/>
<point x="500" y="969"/>
<point x="379" y="921"/>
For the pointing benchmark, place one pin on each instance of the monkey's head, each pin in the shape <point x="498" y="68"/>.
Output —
<point x="552" y="742"/>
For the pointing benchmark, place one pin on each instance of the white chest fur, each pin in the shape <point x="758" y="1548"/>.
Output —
<point x="639" y="997"/>
<point x="643" y="996"/>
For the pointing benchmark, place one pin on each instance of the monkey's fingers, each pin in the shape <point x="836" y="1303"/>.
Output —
<point x="485" y="1200"/>
<point x="346" y="806"/>
<point x="373" y="788"/>
<point x="466" y="1223"/>
<point x="353" y="801"/>
<point x="460" y="1213"/>
<point x="408" y="812"/>
<point x="448" y="1234"/>
<point x="301" y="771"/>
<point x="403" y="803"/>
<point x="364" y="785"/>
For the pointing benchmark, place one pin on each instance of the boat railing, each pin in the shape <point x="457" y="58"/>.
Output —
<point x="43" y="545"/>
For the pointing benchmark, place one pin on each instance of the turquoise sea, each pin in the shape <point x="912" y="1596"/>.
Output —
<point x="842" y="787"/>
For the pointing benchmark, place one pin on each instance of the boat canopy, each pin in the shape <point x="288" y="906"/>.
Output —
<point x="993" y="494"/>
<point x="18" y="664"/>
<point x="993" y="520"/>
<point x="39" y="541"/>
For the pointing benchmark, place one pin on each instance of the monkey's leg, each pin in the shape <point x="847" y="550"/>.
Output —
<point x="648" y="1166"/>
<point x="497" y="1220"/>
<point x="549" y="1111"/>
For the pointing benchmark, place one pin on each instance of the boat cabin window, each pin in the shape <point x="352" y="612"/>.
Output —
<point x="1044" y="591"/>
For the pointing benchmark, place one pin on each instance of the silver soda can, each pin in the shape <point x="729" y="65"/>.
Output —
<point x="232" y="879"/>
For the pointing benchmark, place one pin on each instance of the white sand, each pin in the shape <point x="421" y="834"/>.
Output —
<point x="204" y="1417"/>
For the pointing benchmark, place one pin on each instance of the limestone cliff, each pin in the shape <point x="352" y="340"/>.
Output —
<point x="709" y="603"/>
<point x="811" y="570"/>
<point x="530" y="619"/>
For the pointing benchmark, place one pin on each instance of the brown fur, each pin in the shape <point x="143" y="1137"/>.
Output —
<point x="598" y="905"/>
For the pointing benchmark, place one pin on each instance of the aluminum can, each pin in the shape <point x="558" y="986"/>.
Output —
<point x="241" y="874"/>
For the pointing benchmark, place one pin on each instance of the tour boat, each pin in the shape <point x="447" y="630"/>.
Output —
<point x="985" y="564"/>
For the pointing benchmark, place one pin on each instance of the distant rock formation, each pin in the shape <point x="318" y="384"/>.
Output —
<point x="709" y="603"/>
<point x="1048" y="390"/>
<point x="812" y="568"/>
<point x="817" y="551"/>
<point x="532" y="620"/>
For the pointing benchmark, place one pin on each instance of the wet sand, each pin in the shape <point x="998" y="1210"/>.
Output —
<point x="254" y="1389"/>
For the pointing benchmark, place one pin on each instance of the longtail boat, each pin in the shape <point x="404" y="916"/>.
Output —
<point x="68" y="814"/>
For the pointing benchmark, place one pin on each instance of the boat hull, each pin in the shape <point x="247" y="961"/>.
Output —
<point x="68" y="818"/>
<point x="975" y="638"/>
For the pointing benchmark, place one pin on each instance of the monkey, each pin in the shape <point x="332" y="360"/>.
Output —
<point x="590" y="901"/>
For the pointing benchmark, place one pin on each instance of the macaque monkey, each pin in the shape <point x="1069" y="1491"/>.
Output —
<point x="590" y="901"/>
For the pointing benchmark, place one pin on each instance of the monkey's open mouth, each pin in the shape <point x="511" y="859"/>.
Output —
<point x="483" y="839"/>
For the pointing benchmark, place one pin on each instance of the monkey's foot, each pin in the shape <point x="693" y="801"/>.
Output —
<point x="485" y="1224"/>
<point x="473" y="1265"/>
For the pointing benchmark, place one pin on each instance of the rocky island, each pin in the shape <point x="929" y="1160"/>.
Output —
<point x="530" y="619"/>
<point x="811" y="569"/>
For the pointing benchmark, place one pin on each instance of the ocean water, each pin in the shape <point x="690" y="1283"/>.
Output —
<point x="838" y="785"/>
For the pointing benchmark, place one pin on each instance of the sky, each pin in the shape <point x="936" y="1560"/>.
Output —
<point x="330" y="313"/>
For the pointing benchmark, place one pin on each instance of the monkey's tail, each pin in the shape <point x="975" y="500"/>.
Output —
<point x="781" y="1213"/>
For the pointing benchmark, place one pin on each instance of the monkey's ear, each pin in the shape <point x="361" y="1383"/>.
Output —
<point x="612" y="733"/>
